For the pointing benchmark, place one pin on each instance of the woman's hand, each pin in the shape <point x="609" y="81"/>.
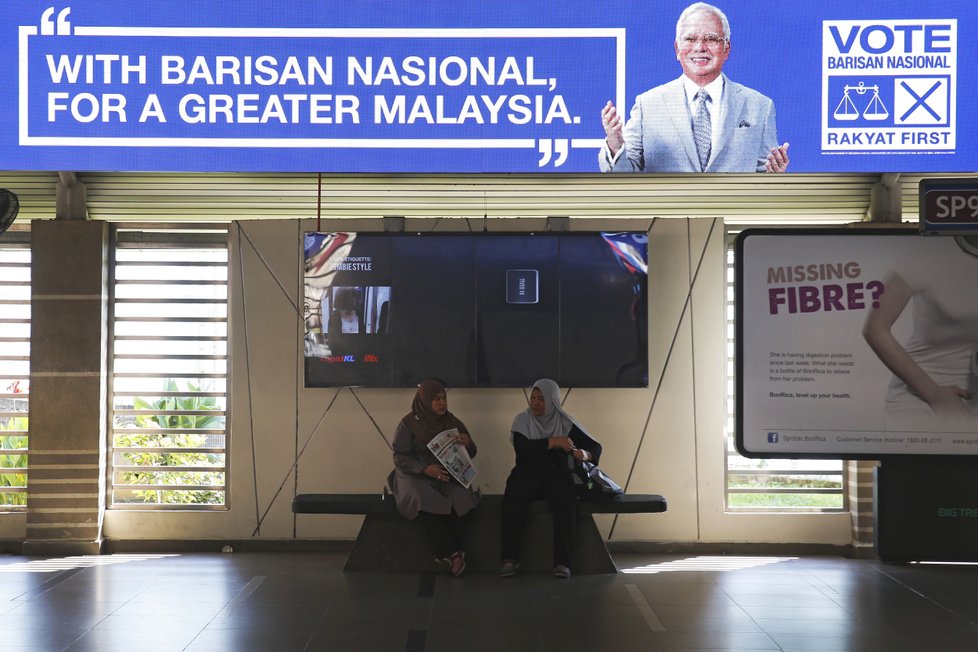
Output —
<point x="436" y="471"/>
<point x="944" y="400"/>
<point x="561" y="442"/>
<point x="463" y="439"/>
<point x="581" y="455"/>
<point x="948" y="401"/>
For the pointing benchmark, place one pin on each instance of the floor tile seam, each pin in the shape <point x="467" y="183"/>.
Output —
<point x="46" y="586"/>
<point x="971" y="622"/>
<point x="427" y="588"/>
<point x="812" y="578"/>
<point x="240" y="597"/>
<point x="645" y="609"/>
<point x="769" y="642"/>
<point x="537" y="619"/>
<point x="750" y="617"/>
<point x="733" y="599"/>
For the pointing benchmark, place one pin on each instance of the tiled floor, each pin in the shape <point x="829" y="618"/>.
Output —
<point x="280" y="602"/>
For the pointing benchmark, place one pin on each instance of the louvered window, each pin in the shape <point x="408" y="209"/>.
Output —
<point x="15" y="361"/>
<point x="169" y="368"/>
<point x="775" y="484"/>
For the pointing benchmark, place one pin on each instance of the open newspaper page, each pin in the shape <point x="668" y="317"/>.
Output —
<point x="453" y="457"/>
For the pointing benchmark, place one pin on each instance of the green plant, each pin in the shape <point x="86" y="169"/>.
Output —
<point x="786" y="501"/>
<point x="743" y="481"/>
<point x="13" y="460"/>
<point x="133" y="448"/>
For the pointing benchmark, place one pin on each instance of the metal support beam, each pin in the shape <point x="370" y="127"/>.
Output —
<point x="71" y="198"/>
<point x="886" y="200"/>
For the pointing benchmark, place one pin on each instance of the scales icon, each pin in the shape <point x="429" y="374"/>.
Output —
<point x="875" y="109"/>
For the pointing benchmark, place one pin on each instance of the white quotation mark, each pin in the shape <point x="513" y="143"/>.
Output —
<point x="48" y="26"/>
<point x="548" y="148"/>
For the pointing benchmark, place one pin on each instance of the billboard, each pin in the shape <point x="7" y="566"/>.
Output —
<point x="858" y="343"/>
<point x="504" y="87"/>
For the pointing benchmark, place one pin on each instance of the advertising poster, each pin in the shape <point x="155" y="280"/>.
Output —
<point x="501" y="87"/>
<point x="856" y="343"/>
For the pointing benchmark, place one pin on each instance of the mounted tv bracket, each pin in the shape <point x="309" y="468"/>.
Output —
<point x="558" y="223"/>
<point x="393" y="223"/>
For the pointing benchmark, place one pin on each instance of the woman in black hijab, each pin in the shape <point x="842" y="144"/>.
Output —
<point x="422" y="487"/>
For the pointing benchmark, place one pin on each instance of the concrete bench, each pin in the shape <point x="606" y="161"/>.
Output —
<point x="389" y="542"/>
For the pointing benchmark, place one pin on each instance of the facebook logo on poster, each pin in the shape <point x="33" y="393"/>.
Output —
<point x="772" y="438"/>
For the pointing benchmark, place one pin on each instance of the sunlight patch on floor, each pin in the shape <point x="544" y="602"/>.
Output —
<point x="707" y="563"/>
<point x="55" y="564"/>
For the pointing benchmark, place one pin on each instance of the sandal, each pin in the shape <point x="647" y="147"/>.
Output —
<point x="457" y="563"/>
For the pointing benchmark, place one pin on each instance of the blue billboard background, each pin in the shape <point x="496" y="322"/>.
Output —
<point x="462" y="87"/>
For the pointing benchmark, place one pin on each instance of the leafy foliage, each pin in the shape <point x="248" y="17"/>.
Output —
<point x="159" y="452"/>
<point x="13" y="460"/>
<point x="787" y="501"/>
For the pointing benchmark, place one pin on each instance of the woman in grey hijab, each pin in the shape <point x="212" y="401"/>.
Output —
<point x="547" y="442"/>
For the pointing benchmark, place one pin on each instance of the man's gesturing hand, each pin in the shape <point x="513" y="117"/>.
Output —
<point x="612" y="124"/>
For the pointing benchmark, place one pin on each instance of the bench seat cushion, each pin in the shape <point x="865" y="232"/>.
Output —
<point x="629" y="504"/>
<point x="344" y="504"/>
<point x="384" y="504"/>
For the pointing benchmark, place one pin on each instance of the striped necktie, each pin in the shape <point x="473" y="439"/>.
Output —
<point x="702" y="128"/>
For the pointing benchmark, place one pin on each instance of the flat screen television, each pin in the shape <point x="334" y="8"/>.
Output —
<point x="476" y="309"/>
<point x="856" y="343"/>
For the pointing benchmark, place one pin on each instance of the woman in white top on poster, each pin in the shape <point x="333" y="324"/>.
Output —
<point x="934" y="383"/>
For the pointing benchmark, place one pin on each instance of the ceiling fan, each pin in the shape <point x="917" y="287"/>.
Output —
<point x="9" y="205"/>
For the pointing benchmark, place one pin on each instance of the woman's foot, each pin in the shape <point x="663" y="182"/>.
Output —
<point x="457" y="563"/>
<point x="509" y="568"/>
<point x="443" y="563"/>
<point x="562" y="571"/>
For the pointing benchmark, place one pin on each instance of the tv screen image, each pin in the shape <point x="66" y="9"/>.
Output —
<point x="476" y="309"/>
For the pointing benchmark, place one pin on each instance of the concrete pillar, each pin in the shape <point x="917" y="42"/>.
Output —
<point x="69" y="308"/>
<point x="861" y="506"/>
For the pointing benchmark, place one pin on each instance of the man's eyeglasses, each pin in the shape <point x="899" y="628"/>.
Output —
<point x="710" y="40"/>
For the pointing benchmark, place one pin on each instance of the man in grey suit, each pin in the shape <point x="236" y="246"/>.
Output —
<point x="701" y="122"/>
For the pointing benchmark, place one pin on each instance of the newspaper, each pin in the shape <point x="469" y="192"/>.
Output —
<point x="453" y="457"/>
